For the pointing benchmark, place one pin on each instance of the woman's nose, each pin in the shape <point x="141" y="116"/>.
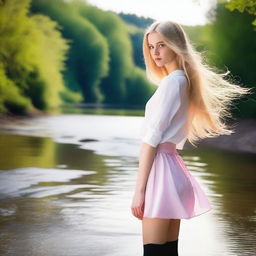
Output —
<point x="156" y="52"/>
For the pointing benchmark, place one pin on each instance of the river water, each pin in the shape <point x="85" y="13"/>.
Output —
<point x="67" y="181"/>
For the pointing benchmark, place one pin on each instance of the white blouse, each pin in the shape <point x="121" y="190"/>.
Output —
<point x="166" y="112"/>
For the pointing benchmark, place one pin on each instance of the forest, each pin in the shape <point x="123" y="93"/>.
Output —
<point x="54" y="53"/>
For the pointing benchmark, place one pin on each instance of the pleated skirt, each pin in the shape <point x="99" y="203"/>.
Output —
<point x="172" y="192"/>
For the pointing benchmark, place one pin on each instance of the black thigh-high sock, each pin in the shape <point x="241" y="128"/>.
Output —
<point x="171" y="248"/>
<point x="154" y="249"/>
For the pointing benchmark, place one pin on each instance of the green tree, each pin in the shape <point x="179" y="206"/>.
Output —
<point x="234" y="46"/>
<point x="120" y="49"/>
<point x="32" y="53"/>
<point x="88" y="57"/>
<point x="248" y="6"/>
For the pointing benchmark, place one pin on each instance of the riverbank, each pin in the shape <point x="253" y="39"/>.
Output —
<point x="242" y="140"/>
<point x="11" y="118"/>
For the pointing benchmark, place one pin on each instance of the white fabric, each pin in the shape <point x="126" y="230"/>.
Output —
<point x="166" y="112"/>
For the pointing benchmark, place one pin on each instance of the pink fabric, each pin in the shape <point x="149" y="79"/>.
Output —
<point x="171" y="191"/>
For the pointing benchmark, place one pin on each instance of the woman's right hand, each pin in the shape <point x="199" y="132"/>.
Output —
<point x="138" y="204"/>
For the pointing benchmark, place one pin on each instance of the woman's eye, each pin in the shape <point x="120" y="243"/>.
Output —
<point x="150" y="47"/>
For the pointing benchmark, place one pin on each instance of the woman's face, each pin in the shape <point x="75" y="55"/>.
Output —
<point x="159" y="51"/>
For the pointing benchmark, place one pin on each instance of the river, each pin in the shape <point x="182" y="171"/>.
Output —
<point x="67" y="180"/>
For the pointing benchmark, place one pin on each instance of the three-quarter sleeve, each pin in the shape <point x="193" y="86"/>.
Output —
<point x="165" y="105"/>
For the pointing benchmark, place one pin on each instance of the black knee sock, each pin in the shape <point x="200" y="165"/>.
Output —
<point x="171" y="248"/>
<point x="154" y="249"/>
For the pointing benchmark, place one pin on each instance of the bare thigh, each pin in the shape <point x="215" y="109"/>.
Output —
<point x="159" y="231"/>
<point x="154" y="230"/>
<point x="174" y="229"/>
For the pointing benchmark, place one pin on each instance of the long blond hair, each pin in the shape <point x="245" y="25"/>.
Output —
<point x="210" y="95"/>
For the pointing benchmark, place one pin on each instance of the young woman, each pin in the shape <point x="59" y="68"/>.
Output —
<point x="191" y="102"/>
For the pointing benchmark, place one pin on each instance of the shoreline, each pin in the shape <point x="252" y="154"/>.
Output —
<point x="11" y="118"/>
<point x="242" y="140"/>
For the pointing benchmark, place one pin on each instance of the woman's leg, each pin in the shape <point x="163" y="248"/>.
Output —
<point x="155" y="230"/>
<point x="173" y="229"/>
<point x="171" y="246"/>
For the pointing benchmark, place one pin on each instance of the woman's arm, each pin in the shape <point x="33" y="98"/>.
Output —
<point x="147" y="154"/>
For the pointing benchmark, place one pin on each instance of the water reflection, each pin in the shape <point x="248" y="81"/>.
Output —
<point x="231" y="177"/>
<point x="63" y="195"/>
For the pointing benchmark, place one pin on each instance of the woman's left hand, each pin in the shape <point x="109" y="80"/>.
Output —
<point x="138" y="203"/>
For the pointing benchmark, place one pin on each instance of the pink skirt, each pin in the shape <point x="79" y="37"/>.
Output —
<point x="171" y="191"/>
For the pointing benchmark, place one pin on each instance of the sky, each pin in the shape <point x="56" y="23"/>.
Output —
<point x="185" y="12"/>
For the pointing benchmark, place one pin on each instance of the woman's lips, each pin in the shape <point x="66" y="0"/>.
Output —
<point x="158" y="59"/>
